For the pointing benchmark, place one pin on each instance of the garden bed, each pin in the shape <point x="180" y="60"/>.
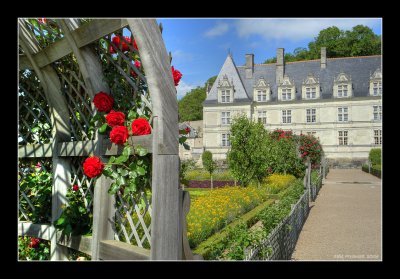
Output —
<point x="207" y="183"/>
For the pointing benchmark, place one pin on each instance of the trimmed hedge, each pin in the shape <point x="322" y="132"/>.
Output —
<point x="207" y="184"/>
<point x="375" y="170"/>
<point x="375" y="155"/>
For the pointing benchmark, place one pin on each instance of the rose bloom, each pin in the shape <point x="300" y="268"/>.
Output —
<point x="187" y="129"/>
<point x="103" y="102"/>
<point x="93" y="166"/>
<point x="115" y="118"/>
<point x="137" y="65"/>
<point x="34" y="242"/>
<point x="140" y="127"/>
<point x="117" y="42"/>
<point x="177" y="75"/>
<point x="75" y="188"/>
<point x="42" y="20"/>
<point x="119" y="134"/>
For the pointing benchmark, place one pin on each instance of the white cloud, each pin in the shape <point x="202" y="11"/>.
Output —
<point x="218" y="30"/>
<point x="184" y="88"/>
<point x="296" y="29"/>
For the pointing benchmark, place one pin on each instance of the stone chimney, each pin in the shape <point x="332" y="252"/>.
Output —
<point x="249" y="65"/>
<point x="323" y="57"/>
<point x="280" y="64"/>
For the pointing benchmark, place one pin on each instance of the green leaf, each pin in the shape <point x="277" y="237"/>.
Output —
<point x="186" y="146"/>
<point x="121" y="159"/>
<point x="103" y="128"/>
<point x="141" y="151"/>
<point x="132" y="174"/>
<point x="124" y="172"/>
<point x="113" y="188"/>
<point x="82" y="209"/>
<point x="182" y="139"/>
<point x="131" y="187"/>
<point x="127" y="151"/>
<point x="107" y="172"/>
<point x="121" y="181"/>
<point x="132" y="165"/>
<point x="141" y="170"/>
<point x="111" y="160"/>
<point x="60" y="221"/>
<point x="132" y="115"/>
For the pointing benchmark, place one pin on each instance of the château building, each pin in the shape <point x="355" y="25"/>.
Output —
<point x="339" y="100"/>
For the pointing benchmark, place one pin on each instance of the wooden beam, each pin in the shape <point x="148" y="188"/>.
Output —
<point x="35" y="150"/>
<point x="166" y="234"/>
<point x="24" y="62"/>
<point x="80" y="243"/>
<point x="110" y="148"/>
<point x="76" y="148"/>
<point x="42" y="231"/>
<point x="83" y="36"/>
<point x="116" y="250"/>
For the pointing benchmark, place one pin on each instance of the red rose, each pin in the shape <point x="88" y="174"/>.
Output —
<point x="93" y="166"/>
<point x="137" y="65"/>
<point x="115" y="118"/>
<point x="140" y="127"/>
<point x="177" y="75"/>
<point x="42" y="20"/>
<point x="34" y="242"/>
<point x="135" y="45"/>
<point x="38" y="166"/>
<point x="187" y="129"/>
<point x="119" y="134"/>
<point x="75" y="188"/>
<point x="121" y="43"/>
<point x="103" y="102"/>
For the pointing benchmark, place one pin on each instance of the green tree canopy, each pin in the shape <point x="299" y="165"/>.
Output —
<point x="209" y="164"/>
<point x="360" y="41"/>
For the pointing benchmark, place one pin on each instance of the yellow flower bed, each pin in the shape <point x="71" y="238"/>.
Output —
<point x="211" y="212"/>
<point x="277" y="182"/>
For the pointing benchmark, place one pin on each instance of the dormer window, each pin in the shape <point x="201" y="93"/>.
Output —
<point x="261" y="91"/>
<point x="342" y="87"/>
<point x="225" y="90"/>
<point x="286" y="89"/>
<point x="310" y="88"/>
<point x="225" y="96"/>
<point x="375" y="84"/>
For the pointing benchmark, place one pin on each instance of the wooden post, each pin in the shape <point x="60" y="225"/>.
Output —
<point x="103" y="203"/>
<point x="60" y="117"/>
<point x="166" y="238"/>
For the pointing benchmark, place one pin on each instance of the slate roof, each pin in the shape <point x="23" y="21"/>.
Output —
<point x="358" y="68"/>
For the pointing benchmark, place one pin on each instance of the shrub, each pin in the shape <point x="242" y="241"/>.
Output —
<point x="375" y="170"/>
<point x="247" y="158"/>
<point x="309" y="146"/>
<point x="209" y="164"/>
<point x="277" y="182"/>
<point x="224" y="175"/>
<point x="375" y="155"/>
<point x="31" y="248"/>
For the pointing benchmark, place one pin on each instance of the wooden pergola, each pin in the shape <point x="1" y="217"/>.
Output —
<point x="63" y="60"/>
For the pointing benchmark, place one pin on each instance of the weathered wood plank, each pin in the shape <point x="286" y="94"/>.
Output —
<point x="24" y="62"/>
<point x="110" y="148"/>
<point x="76" y="148"/>
<point x="154" y="58"/>
<point x="42" y="231"/>
<point x="35" y="150"/>
<point x="116" y="250"/>
<point x="79" y="243"/>
<point x="166" y="236"/>
<point x="83" y="36"/>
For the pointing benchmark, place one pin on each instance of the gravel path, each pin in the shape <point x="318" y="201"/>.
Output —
<point x="345" y="221"/>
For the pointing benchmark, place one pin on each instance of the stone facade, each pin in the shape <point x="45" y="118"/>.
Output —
<point x="339" y="100"/>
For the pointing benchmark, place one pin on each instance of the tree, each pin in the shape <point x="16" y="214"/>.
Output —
<point x="361" y="40"/>
<point x="209" y="164"/>
<point x="247" y="158"/>
<point x="191" y="105"/>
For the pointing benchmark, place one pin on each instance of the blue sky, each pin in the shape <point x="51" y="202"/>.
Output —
<point x="199" y="46"/>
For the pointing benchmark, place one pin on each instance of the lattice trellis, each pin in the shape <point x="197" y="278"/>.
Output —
<point x="78" y="100"/>
<point x="125" y="75"/>
<point x="85" y="184"/>
<point x="34" y="118"/>
<point x="133" y="219"/>
<point x="34" y="198"/>
<point x="46" y="31"/>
